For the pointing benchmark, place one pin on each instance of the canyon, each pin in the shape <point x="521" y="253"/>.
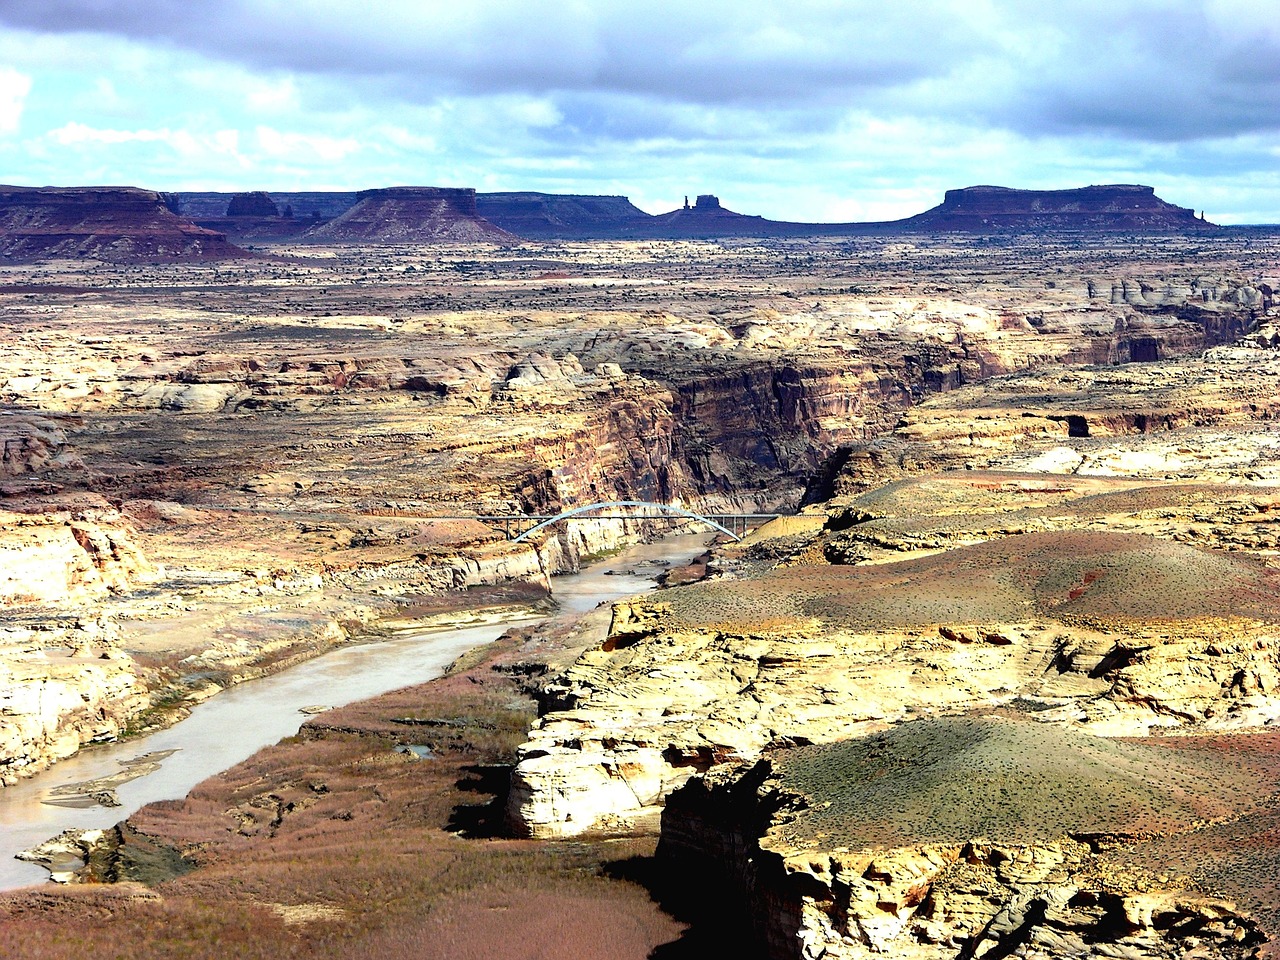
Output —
<point x="1030" y="512"/>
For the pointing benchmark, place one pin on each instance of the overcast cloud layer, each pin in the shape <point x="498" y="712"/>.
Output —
<point x="813" y="109"/>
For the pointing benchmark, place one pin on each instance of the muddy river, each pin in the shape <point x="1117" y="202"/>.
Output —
<point x="241" y="720"/>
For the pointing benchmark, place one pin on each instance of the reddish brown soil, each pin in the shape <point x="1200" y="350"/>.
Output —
<point x="1077" y="575"/>
<point x="332" y="845"/>
<point x="1237" y="855"/>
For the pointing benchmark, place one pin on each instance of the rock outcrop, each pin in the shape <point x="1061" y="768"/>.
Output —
<point x="254" y="204"/>
<point x="113" y="224"/>
<point x="544" y="216"/>
<point x="60" y="688"/>
<point x="78" y="549"/>
<point x="966" y="837"/>
<point x="1172" y="419"/>
<point x="313" y="206"/>
<point x="1120" y="633"/>
<point x="412" y="215"/>
<point x="707" y="218"/>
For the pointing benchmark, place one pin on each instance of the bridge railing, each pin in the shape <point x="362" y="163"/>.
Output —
<point x="519" y="526"/>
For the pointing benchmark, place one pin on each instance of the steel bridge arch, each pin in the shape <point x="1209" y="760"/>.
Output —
<point x="610" y="504"/>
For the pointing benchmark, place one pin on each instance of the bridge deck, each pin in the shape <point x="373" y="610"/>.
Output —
<point x="517" y="526"/>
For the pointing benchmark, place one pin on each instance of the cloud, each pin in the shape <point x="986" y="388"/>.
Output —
<point x="286" y="144"/>
<point x="1137" y="68"/>
<point x="813" y="108"/>
<point x="14" y="88"/>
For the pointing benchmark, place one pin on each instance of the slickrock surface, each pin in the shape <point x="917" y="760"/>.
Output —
<point x="1117" y="632"/>
<point x="112" y="224"/>
<point x="1208" y="418"/>
<point x="1038" y="478"/>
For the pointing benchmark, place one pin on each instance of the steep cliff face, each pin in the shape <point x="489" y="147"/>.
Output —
<point x="253" y="204"/>
<point x="1088" y="420"/>
<point x="754" y="436"/>
<point x="75" y="550"/>
<point x="306" y="205"/>
<point x="114" y="224"/>
<point x="808" y="653"/>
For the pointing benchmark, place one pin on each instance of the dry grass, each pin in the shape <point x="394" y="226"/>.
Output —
<point x="1102" y="578"/>
<point x="955" y="779"/>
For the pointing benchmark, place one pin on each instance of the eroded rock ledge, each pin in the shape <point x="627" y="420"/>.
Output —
<point x="1120" y="633"/>
<point x="962" y="838"/>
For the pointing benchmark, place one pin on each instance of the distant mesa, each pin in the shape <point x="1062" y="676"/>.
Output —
<point x="128" y="224"/>
<point x="412" y="215"/>
<point x="978" y="210"/>
<point x="1120" y="206"/>
<point x="261" y="217"/>
<point x="707" y="218"/>
<point x="254" y="204"/>
<point x="113" y="224"/>
<point x="546" y="216"/>
<point x="314" y="205"/>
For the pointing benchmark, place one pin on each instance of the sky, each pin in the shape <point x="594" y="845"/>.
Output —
<point x="819" y="110"/>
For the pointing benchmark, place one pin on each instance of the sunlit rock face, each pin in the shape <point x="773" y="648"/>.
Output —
<point x="972" y="837"/>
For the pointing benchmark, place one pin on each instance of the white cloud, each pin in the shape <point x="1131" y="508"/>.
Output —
<point x="814" y="109"/>
<point x="184" y="143"/>
<point x="14" y="88"/>
<point x="304" y="146"/>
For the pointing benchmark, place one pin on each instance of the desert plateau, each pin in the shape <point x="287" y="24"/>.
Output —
<point x="992" y="670"/>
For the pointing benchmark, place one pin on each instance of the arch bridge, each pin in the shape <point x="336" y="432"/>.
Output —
<point x="517" y="526"/>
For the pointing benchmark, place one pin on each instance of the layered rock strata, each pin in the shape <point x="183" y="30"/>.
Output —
<point x="1174" y="419"/>
<point x="1119" y="633"/>
<point x="412" y="215"/>
<point x="1118" y="206"/>
<point x="288" y="438"/>
<point x="112" y="224"/>
<point x="540" y="216"/>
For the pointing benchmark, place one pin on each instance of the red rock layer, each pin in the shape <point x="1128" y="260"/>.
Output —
<point x="115" y="224"/>
<point x="413" y="215"/>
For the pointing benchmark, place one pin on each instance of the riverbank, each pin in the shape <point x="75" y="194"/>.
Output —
<point x="334" y="843"/>
<point x="239" y="721"/>
<point x="141" y="658"/>
<point x="370" y="832"/>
